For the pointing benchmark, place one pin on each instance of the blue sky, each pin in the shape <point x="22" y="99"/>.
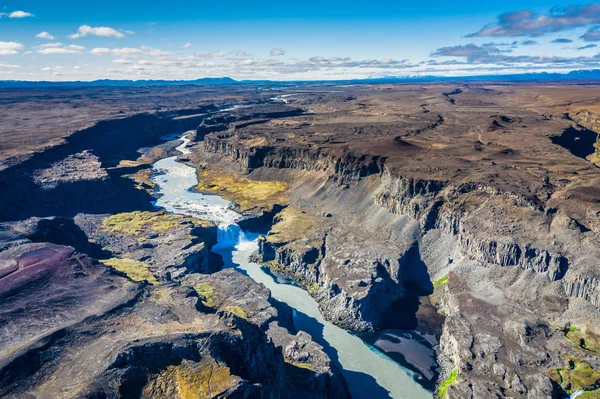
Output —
<point x="75" y="40"/>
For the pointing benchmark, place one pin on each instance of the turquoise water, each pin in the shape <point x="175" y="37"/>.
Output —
<point x="368" y="372"/>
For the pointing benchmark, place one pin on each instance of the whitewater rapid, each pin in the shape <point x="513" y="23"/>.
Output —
<point x="368" y="372"/>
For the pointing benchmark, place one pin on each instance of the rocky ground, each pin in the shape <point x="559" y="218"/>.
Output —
<point x="483" y="198"/>
<point x="105" y="297"/>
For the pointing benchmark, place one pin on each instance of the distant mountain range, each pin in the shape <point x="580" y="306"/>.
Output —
<point x="110" y="82"/>
<point x="573" y="76"/>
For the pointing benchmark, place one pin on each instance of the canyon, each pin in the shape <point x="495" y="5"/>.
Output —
<point x="452" y="229"/>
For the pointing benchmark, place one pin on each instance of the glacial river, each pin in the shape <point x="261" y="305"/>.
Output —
<point x="368" y="372"/>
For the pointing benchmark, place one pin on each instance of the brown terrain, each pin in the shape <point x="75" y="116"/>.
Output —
<point x="467" y="212"/>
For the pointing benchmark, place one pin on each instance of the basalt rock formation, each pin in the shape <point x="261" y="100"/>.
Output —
<point x="375" y="218"/>
<point x="105" y="297"/>
<point x="484" y="199"/>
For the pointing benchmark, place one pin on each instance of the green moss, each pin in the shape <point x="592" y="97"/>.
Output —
<point x="590" y="394"/>
<point x="440" y="282"/>
<point x="207" y="292"/>
<point x="207" y="380"/>
<point x="248" y="194"/>
<point x="441" y="311"/>
<point x="135" y="270"/>
<point x="583" y="339"/>
<point x="443" y="388"/>
<point x="313" y="288"/>
<point x="305" y="366"/>
<point x="292" y="224"/>
<point x="138" y="222"/>
<point x="236" y="310"/>
<point x="576" y="375"/>
<point x="276" y="267"/>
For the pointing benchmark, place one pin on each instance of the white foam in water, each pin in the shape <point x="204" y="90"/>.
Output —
<point x="175" y="180"/>
<point x="368" y="372"/>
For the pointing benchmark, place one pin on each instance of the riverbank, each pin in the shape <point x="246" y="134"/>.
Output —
<point x="366" y="370"/>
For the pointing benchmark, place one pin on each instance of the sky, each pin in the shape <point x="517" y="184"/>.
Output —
<point x="281" y="40"/>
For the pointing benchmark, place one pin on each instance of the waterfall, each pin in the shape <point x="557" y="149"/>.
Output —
<point x="230" y="235"/>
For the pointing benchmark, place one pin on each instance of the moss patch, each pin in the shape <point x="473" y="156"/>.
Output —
<point x="138" y="222"/>
<point x="207" y="292"/>
<point x="276" y="267"/>
<point x="305" y="366"/>
<point x="576" y="375"/>
<point x="583" y="339"/>
<point x="135" y="270"/>
<point x="206" y="380"/>
<point x="590" y="395"/>
<point x="248" y="194"/>
<point x="313" y="288"/>
<point x="143" y="179"/>
<point x="292" y="224"/>
<point x="440" y="282"/>
<point x="443" y="389"/>
<point x="236" y="310"/>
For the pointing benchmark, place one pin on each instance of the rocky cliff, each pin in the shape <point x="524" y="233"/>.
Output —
<point x="374" y="224"/>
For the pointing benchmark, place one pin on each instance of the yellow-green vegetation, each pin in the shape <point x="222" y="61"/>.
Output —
<point x="313" y="288"/>
<point x="583" y="339"/>
<point x="125" y="163"/>
<point x="204" y="381"/>
<point x="576" y="375"/>
<point x="207" y="292"/>
<point x="440" y="282"/>
<point x="292" y="224"/>
<point x="590" y="394"/>
<point x="248" y="194"/>
<point x="306" y="366"/>
<point x="236" y="310"/>
<point x="137" y="222"/>
<point x="135" y="270"/>
<point x="443" y="389"/>
<point x="143" y="179"/>
<point x="276" y="267"/>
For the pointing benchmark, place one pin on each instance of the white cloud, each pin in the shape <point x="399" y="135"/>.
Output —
<point x="103" y="31"/>
<point x="57" y="48"/>
<point x="187" y="45"/>
<point x="20" y="14"/>
<point x="10" y="48"/>
<point x="129" y="52"/>
<point x="121" y="61"/>
<point x="52" y="69"/>
<point x="153" y="52"/>
<point x="214" y="54"/>
<point x="122" y="52"/>
<point x="220" y="53"/>
<point x="241" y="53"/>
<point x="277" y="51"/>
<point x="48" y="45"/>
<point x="5" y="65"/>
<point x="45" y="35"/>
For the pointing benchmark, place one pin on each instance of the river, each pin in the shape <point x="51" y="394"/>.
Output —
<point x="368" y="372"/>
